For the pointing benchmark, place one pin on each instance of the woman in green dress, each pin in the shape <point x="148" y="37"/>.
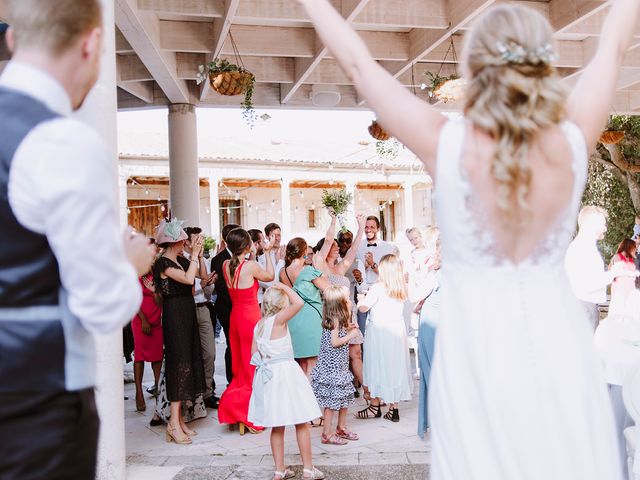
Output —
<point x="308" y="283"/>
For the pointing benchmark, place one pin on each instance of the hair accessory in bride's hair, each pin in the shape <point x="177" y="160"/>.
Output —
<point x="516" y="53"/>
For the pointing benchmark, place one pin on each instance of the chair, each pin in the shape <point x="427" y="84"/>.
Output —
<point x="631" y="399"/>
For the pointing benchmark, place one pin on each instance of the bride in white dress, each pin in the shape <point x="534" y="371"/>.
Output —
<point x="516" y="389"/>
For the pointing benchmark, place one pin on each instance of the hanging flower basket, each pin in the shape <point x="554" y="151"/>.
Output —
<point x="611" y="137"/>
<point x="235" y="82"/>
<point x="377" y="132"/>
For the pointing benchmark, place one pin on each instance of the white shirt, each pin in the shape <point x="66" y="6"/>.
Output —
<point x="63" y="185"/>
<point x="585" y="269"/>
<point x="277" y="266"/>
<point x="200" y="295"/>
<point x="381" y="249"/>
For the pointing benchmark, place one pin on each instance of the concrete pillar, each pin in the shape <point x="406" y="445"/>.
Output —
<point x="99" y="111"/>
<point x="408" y="204"/>
<point x="285" y="205"/>
<point x="184" y="184"/>
<point x="123" y="177"/>
<point x="350" y="221"/>
<point x="214" y="207"/>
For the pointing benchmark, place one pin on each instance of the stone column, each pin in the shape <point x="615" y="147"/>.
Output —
<point x="285" y="205"/>
<point x="99" y="111"/>
<point x="184" y="184"/>
<point x="408" y="204"/>
<point x="214" y="207"/>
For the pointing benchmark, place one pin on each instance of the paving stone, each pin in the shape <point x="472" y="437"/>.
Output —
<point x="351" y="472"/>
<point x="383" y="459"/>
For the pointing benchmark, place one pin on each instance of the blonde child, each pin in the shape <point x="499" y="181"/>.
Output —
<point x="387" y="374"/>
<point x="281" y="392"/>
<point x="331" y="379"/>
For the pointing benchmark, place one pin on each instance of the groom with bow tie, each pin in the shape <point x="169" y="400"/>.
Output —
<point x="370" y="253"/>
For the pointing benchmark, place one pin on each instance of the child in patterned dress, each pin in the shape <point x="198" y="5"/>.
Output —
<point x="331" y="378"/>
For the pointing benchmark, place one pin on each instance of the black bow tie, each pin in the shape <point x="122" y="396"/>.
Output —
<point x="372" y="244"/>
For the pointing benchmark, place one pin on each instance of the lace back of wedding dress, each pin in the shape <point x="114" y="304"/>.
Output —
<point x="465" y="229"/>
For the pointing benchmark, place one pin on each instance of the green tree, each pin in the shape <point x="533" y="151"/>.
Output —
<point x="614" y="181"/>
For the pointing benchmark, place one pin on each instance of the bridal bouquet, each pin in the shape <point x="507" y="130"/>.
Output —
<point x="338" y="201"/>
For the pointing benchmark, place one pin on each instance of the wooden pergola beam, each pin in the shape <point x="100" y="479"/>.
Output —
<point x="221" y="27"/>
<point x="303" y="67"/>
<point x="141" y="31"/>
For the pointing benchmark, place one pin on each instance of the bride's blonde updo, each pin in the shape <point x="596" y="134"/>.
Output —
<point x="513" y="91"/>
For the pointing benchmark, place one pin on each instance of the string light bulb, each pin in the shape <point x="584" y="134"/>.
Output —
<point x="146" y="191"/>
<point x="228" y="211"/>
<point x="128" y="211"/>
<point x="162" y="208"/>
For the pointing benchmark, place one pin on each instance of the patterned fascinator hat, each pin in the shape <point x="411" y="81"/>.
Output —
<point x="170" y="232"/>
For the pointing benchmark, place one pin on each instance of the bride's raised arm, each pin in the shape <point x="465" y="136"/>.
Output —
<point x="412" y="121"/>
<point x="590" y="102"/>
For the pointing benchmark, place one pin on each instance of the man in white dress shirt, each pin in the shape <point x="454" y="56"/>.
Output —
<point x="584" y="265"/>
<point x="272" y="230"/>
<point x="58" y="203"/>
<point x="203" y="287"/>
<point x="369" y="254"/>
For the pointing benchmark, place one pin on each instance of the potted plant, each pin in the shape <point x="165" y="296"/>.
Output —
<point x="378" y="132"/>
<point x="445" y="88"/>
<point x="227" y="78"/>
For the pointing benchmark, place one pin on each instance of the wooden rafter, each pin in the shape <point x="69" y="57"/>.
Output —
<point x="303" y="67"/>
<point x="141" y="31"/>
<point x="221" y="27"/>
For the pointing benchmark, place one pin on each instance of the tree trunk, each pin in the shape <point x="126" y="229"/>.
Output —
<point x="634" y="191"/>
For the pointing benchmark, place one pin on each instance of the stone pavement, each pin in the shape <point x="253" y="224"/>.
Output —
<point x="385" y="449"/>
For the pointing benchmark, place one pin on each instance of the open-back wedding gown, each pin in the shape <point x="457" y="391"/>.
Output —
<point x="516" y="391"/>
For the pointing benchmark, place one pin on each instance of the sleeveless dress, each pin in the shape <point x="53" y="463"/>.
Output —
<point x="306" y="326"/>
<point x="386" y="367"/>
<point x="516" y="391"/>
<point x="184" y="373"/>
<point x="245" y="314"/>
<point x="281" y="392"/>
<point x="331" y="379"/>
<point x="148" y="348"/>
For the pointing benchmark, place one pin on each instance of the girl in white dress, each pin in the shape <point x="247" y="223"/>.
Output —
<point x="281" y="394"/>
<point x="387" y="374"/>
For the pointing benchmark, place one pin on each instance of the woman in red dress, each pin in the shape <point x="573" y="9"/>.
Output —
<point x="147" y="337"/>
<point x="242" y="276"/>
<point x="626" y="255"/>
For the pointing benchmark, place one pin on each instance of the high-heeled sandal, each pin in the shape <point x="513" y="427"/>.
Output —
<point x="372" y="411"/>
<point x="393" y="414"/>
<point x="283" y="475"/>
<point x="312" y="474"/>
<point x="141" y="405"/>
<point x="242" y="427"/>
<point x="189" y="432"/>
<point x="170" y="437"/>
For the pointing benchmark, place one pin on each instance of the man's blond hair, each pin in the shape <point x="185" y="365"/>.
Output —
<point x="52" y="25"/>
<point x="590" y="211"/>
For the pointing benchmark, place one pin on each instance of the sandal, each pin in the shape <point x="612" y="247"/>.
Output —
<point x="372" y="411"/>
<point x="313" y="474"/>
<point x="392" y="415"/>
<point x="332" y="440"/>
<point x="346" y="434"/>
<point x="283" y="475"/>
<point x="319" y="424"/>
